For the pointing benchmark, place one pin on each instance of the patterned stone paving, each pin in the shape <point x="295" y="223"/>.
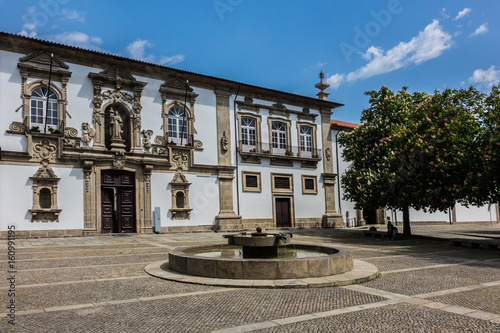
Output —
<point x="484" y="299"/>
<point x="77" y="273"/>
<point x="400" y="318"/>
<point x="421" y="281"/>
<point x="201" y="313"/>
<point x="98" y="284"/>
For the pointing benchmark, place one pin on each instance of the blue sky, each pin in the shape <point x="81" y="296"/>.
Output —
<point x="283" y="44"/>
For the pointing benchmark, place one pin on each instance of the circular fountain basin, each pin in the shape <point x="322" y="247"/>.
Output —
<point x="321" y="261"/>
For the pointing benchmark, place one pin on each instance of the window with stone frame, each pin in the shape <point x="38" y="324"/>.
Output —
<point x="177" y="126"/>
<point x="251" y="181"/>
<point x="249" y="132"/>
<point x="279" y="138"/>
<point x="282" y="183"/>
<point x="309" y="184"/>
<point x="44" y="109"/>
<point x="307" y="140"/>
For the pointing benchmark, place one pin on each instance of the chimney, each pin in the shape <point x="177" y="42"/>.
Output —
<point x="323" y="95"/>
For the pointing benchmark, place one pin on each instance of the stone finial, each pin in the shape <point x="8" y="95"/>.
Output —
<point x="322" y="85"/>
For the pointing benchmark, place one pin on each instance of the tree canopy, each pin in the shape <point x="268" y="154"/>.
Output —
<point x="423" y="151"/>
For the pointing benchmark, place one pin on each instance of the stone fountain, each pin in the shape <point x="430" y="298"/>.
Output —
<point x="260" y="259"/>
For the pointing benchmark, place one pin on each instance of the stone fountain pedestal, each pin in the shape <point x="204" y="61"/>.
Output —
<point x="258" y="244"/>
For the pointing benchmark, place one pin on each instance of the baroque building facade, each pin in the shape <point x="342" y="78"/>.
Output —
<point x="94" y="143"/>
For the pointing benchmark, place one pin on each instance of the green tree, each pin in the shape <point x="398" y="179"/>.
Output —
<point x="488" y="177"/>
<point x="412" y="150"/>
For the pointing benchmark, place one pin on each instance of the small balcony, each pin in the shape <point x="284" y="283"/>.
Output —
<point x="284" y="156"/>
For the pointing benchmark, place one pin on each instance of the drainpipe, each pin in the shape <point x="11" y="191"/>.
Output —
<point x="48" y="95"/>
<point x="338" y="171"/>
<point x="236" y="151"/>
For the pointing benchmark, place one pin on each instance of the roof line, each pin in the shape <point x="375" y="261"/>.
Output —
<point x="332" y="104"/>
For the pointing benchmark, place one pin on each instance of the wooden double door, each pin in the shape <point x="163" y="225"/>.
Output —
<point x="283" y="212"/>
<point x="118" y="202"/>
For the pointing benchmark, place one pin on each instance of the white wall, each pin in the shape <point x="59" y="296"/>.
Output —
<point x="16" y="194"/>
<point x="206" y="126"/>
<point x="80" y="93"/>
<point x="203" y="199"/>
<point x="10" y="97"/>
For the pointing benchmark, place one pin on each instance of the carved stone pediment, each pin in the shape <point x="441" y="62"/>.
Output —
<point x="45" y="172"/>
<point x="179" y="178"/>
<point x="175" y="89"/>
<point x="38" y="62"/>
<point x="42" y="57"/>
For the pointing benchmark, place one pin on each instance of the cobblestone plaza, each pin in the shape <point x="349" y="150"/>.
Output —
<point x="98" y="284"/>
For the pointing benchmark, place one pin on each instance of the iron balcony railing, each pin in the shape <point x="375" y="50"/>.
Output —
<point x="263" y="149"/>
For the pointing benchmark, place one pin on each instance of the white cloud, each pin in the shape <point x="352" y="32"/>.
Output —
<point x="30" y="23"/>
<point x="27" y="34"/>
<point x="336" y="80"/>
<point x="462" y="13"/>
<point x="72" y="15"/>
<point x="429" y="44"/>
<point x="137" y="50"/>
<point x="443" y="13"/>
<point x="482" y="29"/>
<point x="314" y="67"/>
<point x="77" y="38"/>
<point x="487" y="77"/>
<point x="169" y="61"/>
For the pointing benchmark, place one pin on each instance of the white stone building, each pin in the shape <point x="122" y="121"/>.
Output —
<point x="94" y="143"/>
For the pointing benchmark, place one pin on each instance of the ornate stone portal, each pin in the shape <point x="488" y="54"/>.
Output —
<point x="45" y="195"/>
<point x="180" y="197"/>
<point x="118" y="79"/>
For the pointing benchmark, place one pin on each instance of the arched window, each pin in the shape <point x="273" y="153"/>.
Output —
<point x="278" y="136"/>
<point x="177" y="126"/>
<point x="306" y="142"/>
<point x="38" y="107"/>
<point x="248" y="133"/>
<point x="45" y="198"/>
<point x="179" y="200"/>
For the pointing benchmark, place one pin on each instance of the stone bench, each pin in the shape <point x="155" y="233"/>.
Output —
<point x="382" y="234"/>
<point x="486" y="244"/>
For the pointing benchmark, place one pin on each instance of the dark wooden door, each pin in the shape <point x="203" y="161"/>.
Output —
<point x="126" y="210"/>
<point x="118" y="202"/>
<point x="283" y="212"/>
<point x="108" y="210"/>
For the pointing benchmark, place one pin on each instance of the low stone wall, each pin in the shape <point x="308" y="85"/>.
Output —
<point x="44" y="233"/>
<point x="339" y="261"/>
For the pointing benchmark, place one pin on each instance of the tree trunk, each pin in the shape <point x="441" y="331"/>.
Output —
<point x="406" y="221"/>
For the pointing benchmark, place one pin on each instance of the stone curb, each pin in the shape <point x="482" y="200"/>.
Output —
<point x="361" y="272"/>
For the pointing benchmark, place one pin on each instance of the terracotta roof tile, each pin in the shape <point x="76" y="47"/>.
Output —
<point x="343" y="124"/>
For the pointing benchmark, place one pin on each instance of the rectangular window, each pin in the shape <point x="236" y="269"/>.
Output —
<point x="251" y="181"/>
<point x="309" y="185"/>
<point x="282" y="183"/>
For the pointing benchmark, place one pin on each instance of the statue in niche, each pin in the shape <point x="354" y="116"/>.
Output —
<point x="87" y="134"/>
<point x="146" y="142"/>
<point x="116" y="123"/>
<point x="224" y="142"/>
